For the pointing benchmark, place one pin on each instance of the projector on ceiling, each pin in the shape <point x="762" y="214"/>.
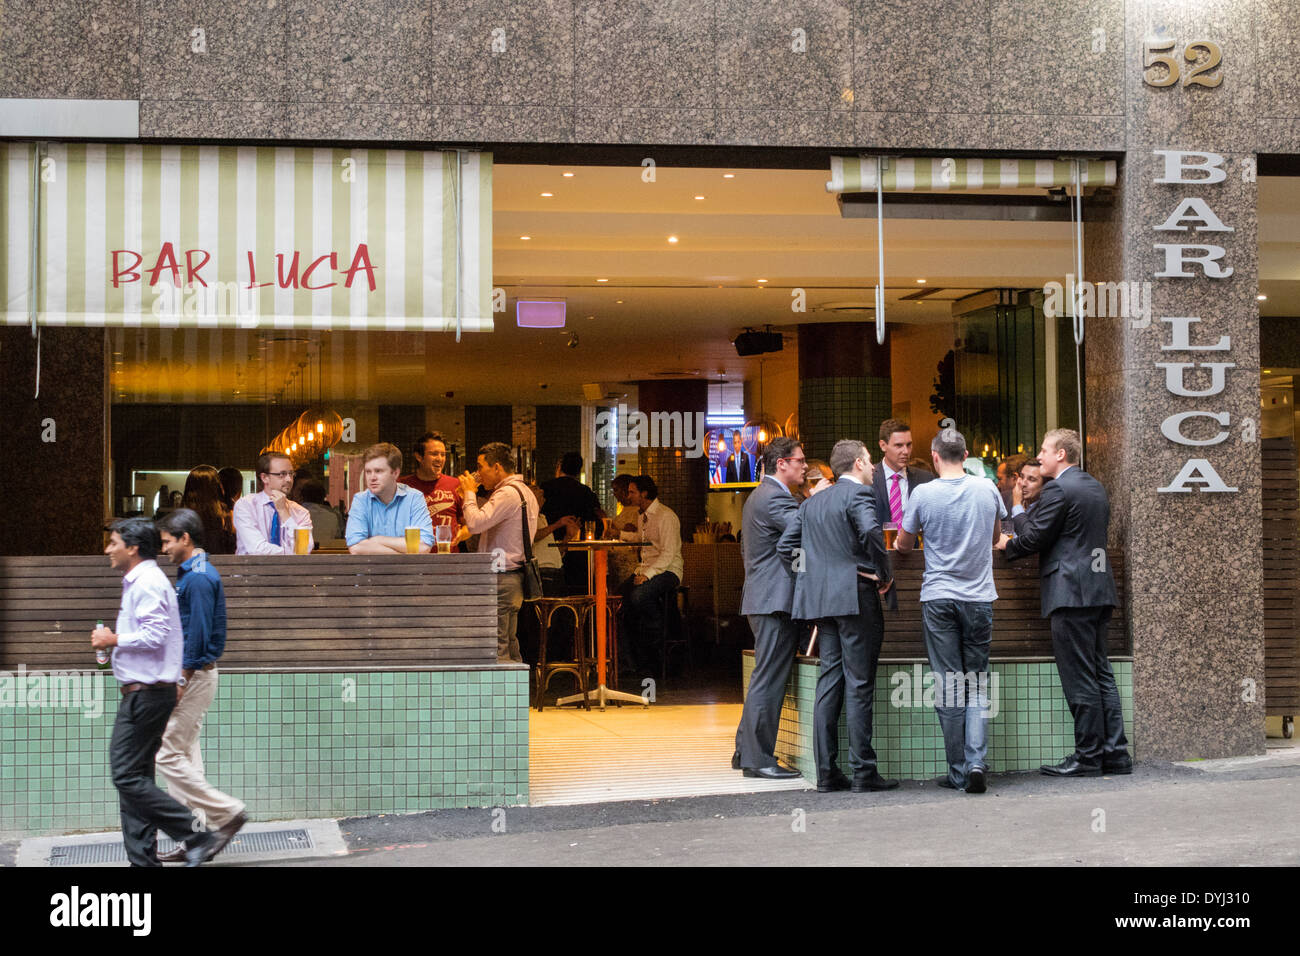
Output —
<point x="750" y="342"/>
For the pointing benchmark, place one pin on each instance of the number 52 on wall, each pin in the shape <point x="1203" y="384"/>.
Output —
<point x="1157" y="53"/>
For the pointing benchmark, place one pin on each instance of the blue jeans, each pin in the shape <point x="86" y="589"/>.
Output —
<point x="958" y="635"/>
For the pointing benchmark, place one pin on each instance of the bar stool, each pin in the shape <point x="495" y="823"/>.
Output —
<point x="613" y="603"/>
<point x="678" y="601"/>
<point x="580" y="605"/>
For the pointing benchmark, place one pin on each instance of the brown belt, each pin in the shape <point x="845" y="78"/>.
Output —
<point x="189" y="672"/>
<point x="132" y="688"/>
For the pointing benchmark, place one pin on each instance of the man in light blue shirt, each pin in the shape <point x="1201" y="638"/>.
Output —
<point x="959" y="515"/>
<point x="380" y="515"/>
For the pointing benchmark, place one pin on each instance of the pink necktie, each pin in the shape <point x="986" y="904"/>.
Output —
<point x="896" y="501"/>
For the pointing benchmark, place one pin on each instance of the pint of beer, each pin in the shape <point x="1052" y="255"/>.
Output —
<point x="412" y="540"/>
<point x="301" y="540"/>
<point x="442" y="536"/>
<point x="891" y="534"/>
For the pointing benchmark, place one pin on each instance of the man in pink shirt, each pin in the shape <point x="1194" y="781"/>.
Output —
<point x="265" y="523"/>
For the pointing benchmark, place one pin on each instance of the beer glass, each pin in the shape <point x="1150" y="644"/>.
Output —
<point x="412" y="540"/>
<point x="442" y="535"/>
<point x="891" y="534"/>
<point x="301" y="540"/>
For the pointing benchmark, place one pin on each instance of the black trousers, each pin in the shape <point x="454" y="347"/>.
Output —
<point x="137" y="735"/>
<point x="1079" y="643"/>
<point x="775" y="637"/>
<point x="850" y="649"/>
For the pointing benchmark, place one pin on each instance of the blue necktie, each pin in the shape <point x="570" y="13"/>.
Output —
<point x="275" y="525"/>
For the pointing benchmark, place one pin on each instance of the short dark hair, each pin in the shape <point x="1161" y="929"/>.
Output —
<point x="646" y="485"/>
<point x="571" y="463"/>
<point x="313" y="491"/>
<point x="1031" y="463"/>
<point x="140" y="533"/>
<point x="264" y="461"/>
<point x="891" y="426"/>
<point x="622" y="479"/>
<point x="498" y="453"/>
<point x="778" y="448"/>
<point x="845" y="453"/>
<point x="950" y="446"/>
<point x="183" y="521"/>
<point x="423" y="441"/>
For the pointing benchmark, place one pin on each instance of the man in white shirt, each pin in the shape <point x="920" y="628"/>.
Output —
<point x="267" y="522"/>
<point x="654" y="582"/>
<point x="498" y="523"/>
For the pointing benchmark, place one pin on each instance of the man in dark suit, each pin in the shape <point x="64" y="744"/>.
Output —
<point x="740" y="466"/>
<point x="1067" y="529"/>
<point x="768" y="594"/>
<point x="834" y="545"/>
<point x="893" y="481"/>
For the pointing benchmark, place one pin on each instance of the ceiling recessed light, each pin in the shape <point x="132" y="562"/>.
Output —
<point x="672" y="238"/>
<point x="602" y="280"/>
<point x="1261" y="297"/>
<point x="921" y="281"/>
<point x="618" y="301"/>
<point x="699" y="197"/>
<point x="525" y="238"/>
<point x="728" y="175"/>
<point x="568" y="175"/>
<point x="762" y="280"/>
<point x="547" y="195"/>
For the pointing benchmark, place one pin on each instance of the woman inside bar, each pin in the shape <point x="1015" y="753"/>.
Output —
<point x="203" y="494"/>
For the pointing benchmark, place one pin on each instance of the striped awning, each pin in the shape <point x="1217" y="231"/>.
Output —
<point x="249" y="237"/>
<point x="856" y="174"/>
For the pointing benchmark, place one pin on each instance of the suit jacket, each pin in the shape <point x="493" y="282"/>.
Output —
<point x="839" y="536"/>
<point x="1067" y="528"/>
<point x="915" y="476"/>
<point x="746" y="472"/>
<point x="769" y="583"/>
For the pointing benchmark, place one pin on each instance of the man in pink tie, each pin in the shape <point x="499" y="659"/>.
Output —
<point x="893" y="481"/>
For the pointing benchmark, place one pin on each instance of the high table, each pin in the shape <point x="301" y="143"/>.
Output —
<point x="600" y="560"/>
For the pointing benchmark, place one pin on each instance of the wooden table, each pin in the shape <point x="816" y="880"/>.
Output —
<point x="600" y="559"/>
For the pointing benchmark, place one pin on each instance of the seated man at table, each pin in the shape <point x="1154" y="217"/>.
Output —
<point x="654" y="582"/>
<point x="381" y="514"/>
<point x="267" y="522"/>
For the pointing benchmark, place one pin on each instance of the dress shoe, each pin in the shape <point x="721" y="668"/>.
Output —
<point x="226" y="833"/>
<point x="1071" y="767"/>
<point x="1119" y="765"/>
<point x="773" y="773"/>
<point x="831" y="784"/>
<point x="200" y="848"/>
<point x="975" y="782"/>
<point x="175" y="855"/>
<point x="735" y="761"/>
<point x="872" y="783"/>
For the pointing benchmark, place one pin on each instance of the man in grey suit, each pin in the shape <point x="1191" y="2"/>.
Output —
<point x="1067" y="529"/>
<point x="893" y="481"/>
<point x="768" y="594"/>
<point x="835" y="547"/>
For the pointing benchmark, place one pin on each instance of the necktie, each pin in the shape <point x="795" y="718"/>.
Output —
<point x="275" y="525"/>
<point x="896" y="501"/>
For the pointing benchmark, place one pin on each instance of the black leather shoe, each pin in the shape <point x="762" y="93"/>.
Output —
<point x="975" y="782"/>
<point x="1071" y="767"/>
<point x="1119" y="765"/>
<point x="735" y="761"/>
<point x="200" y="848"/>
<point x="773" y="773"/>
<point x="227" y="833"/>
<point x="831" y="784"/>
<point x="872" y="783"/>
<point x="175" y="855"/>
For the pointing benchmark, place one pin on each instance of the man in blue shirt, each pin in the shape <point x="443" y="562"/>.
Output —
<point x="380" y="515"/>
<point x="202" y="603"/>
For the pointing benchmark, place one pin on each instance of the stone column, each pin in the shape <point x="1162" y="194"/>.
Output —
<point x="1193" y="556"/>
<point x="844" y="385"/>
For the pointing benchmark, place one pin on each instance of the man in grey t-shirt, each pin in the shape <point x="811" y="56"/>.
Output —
<point x="960" y="517"/>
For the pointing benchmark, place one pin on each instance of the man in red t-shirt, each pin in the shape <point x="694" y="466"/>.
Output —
<point x="441" y="492"/>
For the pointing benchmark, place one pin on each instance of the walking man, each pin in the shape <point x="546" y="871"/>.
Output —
<point x="960" y="516"/>
<point x="147" y="666"/>
<point x="1067" y="529"/>
<point x="202" y="602"/>
<point x="766" y="600"/>
<point x="834" y="545"/>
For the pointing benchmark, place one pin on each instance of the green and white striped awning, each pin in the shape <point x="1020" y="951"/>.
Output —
<point x="248" y="237"/>
<point x="857" y="174"/>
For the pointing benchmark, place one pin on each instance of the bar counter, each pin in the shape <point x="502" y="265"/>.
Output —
<point x="351" y="685"/>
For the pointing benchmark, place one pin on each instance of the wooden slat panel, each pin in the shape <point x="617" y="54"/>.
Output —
<point x="1280" y="527"/>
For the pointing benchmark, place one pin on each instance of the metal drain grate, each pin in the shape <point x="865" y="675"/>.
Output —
<point x="265" y="841"/>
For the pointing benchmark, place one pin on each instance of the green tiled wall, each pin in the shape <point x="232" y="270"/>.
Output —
<point x="292" y="746"/>
<point x="1033" y="725"/>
